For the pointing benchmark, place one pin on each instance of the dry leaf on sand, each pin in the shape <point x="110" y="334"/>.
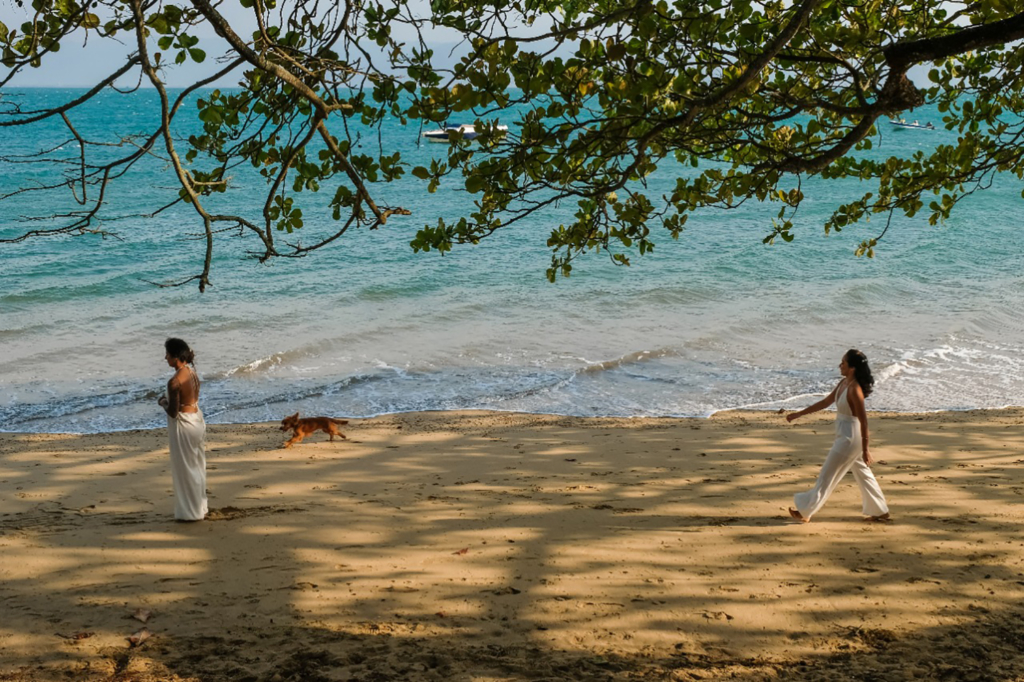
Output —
<point x="139" y="637"/>
<point x="464" y="550"/>
<point x="142" y="615"/>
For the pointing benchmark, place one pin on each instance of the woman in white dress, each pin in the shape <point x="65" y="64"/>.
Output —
<point x="186" y="430"/>
<point x="850" y="450"/>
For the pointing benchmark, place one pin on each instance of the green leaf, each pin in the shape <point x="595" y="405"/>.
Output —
<point x="158" y="23"/>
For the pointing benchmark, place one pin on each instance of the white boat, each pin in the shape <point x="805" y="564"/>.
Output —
<point x="468" y="131"/>
<point x="903" y="124"/>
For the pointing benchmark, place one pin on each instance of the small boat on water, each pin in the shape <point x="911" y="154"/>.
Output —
<point x="903" y="124"/>
<point x="468" y="131"/>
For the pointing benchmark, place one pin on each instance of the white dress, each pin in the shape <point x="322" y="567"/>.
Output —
<point x="845" y="455"/>
<point x="187" y="435"/>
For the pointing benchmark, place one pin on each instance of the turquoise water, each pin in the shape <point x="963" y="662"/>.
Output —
<point x="712" y="322"/>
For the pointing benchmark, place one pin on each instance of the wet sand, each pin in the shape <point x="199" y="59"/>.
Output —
<point x="488" y="546"/>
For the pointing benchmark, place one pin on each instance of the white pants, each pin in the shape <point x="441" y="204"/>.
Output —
<point x="844" y="456"/>
<point x="187" y="434"/>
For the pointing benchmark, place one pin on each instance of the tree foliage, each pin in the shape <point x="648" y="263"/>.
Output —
<point x="754" y="96"/>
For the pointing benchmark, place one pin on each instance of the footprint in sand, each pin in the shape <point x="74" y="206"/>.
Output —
<point x="232" y="513"/>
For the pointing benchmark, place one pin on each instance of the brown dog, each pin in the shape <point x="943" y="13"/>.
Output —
<point x="310" y="425"/>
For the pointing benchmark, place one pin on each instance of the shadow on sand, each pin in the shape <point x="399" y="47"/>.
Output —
<point x="512" y="547"/>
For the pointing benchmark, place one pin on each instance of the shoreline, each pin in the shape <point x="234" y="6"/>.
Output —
<point x="508" y="546"/>
<point x="718" y="414"/>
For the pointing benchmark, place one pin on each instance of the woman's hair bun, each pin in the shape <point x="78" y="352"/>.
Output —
<point x="178" y="349"/>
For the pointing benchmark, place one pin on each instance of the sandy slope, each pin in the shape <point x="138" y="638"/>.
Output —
<point x="479" y="546"/>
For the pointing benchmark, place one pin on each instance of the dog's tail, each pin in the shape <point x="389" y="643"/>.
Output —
<point x="338" y="421"/>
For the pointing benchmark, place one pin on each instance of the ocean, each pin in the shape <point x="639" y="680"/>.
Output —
<point x="714" y="321"/>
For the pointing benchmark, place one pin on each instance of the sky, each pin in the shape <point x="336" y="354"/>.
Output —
<point x="85" y="60"/>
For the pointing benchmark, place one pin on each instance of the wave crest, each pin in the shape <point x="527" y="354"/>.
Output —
<point x="633" y="358"/>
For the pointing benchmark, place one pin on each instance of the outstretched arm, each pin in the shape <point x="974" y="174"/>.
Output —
<point x="820" y="405"/>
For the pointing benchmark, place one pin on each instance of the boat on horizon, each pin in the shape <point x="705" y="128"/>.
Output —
<point x="468" y="130"/>
<point x="903" y="124"/>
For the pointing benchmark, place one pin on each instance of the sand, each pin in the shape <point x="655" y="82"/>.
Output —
<point x="483" y="546"/>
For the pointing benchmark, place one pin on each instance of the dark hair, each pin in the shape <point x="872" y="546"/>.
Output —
<point x="861" y="371"/>
<point x="178" y="349"/>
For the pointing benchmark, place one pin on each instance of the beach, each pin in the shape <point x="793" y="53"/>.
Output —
<point x="502" y="546"/>
<point x="581" y="479"/>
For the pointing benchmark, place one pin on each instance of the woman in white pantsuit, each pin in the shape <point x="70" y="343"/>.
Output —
<point x="186" y="431"/>
<point x="850" y="451"/>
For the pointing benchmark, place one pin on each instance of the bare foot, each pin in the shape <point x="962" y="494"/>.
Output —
<point x="881" y="518"/>
<point x="797" y="515"/>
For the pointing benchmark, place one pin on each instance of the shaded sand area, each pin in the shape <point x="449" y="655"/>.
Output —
<point x="479" y="546"/>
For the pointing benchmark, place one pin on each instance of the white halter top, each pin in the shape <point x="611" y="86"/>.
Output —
<point x="843" y="410"/>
